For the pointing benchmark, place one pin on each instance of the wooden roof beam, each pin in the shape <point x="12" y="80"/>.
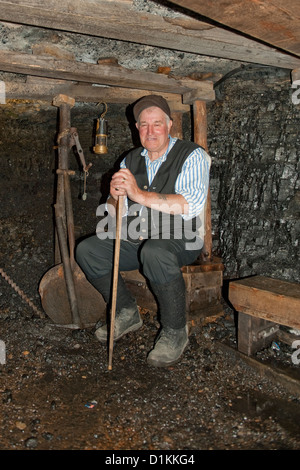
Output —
<point x="295" y="75"/>
<point x="275" y="22"/>
<point x="115" y="20"/>
<point x="101" y="74"/>
<point x="43" y="89"/>
<point x="195" y="91"/>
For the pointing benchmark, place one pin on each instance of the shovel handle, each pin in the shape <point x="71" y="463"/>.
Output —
<point x="115" y="278"/>
<point x="69" y="214"/>
<point x="67" y="269"/>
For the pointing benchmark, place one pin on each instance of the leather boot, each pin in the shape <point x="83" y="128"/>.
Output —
<point x="169" y="347"/>
<point x="173" y="337"/>
<point x="127" y="313"/>
<point x="126" y="320"/>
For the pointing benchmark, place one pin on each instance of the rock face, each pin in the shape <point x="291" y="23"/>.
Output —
<point x="254" y="143"/>
<point x="254" y="136"/>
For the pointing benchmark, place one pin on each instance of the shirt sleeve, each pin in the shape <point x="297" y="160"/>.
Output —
<point x="193" y="181"/>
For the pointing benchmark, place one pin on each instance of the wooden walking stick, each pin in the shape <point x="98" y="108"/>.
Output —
<point x="115" y="279"/>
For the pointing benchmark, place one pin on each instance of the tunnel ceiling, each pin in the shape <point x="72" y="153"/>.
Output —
<point x="119" y="50"/>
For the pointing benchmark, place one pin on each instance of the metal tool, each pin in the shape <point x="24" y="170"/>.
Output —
<point x="66" y="295"/>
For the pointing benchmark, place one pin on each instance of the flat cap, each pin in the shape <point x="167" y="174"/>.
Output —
<point x="147" y="102"/>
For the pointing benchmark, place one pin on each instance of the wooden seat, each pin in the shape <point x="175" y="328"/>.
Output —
<point x="263" y="303"/>
<point x="203" y="282"/>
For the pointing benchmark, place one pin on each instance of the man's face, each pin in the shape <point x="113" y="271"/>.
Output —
<point x="154" y="131"/>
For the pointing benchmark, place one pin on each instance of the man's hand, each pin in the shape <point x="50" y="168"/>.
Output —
<point x="123" y="183"/>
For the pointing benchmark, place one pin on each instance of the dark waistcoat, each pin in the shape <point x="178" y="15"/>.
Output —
<point x="151" y="223"/>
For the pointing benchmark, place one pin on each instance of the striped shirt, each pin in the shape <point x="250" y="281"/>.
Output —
<point x="192" y="182"/>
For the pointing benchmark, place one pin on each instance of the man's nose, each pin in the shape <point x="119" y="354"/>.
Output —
<point x="150" y="129"/>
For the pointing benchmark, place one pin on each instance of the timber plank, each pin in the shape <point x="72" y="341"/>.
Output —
<point x="201" y="280"/>
<point x="267" y="298"/>
<point x="254" y="333"/>
<point x="102" y="74"/>
<point x="203" y="292"/>
<point x="43" y="66"/>
<point x="117" y="20"/>
<point x="44" y="89"/>
<point x="275" y="22"/>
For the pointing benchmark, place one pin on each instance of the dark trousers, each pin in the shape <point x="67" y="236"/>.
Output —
<point x="159" y="260"/>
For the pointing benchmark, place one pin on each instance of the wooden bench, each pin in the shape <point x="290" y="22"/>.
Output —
<point x="203" y="282"/>
<point x="263" y="303"/>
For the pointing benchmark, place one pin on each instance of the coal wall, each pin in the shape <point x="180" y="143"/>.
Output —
<point x="253" y="138"/>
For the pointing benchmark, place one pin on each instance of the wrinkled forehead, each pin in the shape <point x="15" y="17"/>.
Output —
<point x="152" y="114"/>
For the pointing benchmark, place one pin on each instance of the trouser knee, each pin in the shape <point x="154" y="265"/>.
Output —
<point x="80" y="252"/>
<point x="159" y="264"/>
<point x="94" y="259"/>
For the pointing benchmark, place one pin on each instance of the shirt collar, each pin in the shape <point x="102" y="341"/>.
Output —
<point x="172" y="141"/>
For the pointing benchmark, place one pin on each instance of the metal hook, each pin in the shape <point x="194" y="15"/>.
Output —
<point x="105" y="109"/>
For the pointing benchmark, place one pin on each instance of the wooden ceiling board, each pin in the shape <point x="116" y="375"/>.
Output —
<point x="117" y="20"/>
<point x="275" y="22"/>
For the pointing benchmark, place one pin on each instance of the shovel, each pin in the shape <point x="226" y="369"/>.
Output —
<point x="66" y="295"/>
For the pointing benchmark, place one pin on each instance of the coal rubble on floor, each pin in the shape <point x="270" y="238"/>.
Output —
<point x="56" y="392"/>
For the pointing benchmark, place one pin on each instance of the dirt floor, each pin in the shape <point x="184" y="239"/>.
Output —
<point x="58" y="394"/>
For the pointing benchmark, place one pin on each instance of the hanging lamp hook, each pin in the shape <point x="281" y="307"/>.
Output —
<point x="105" y="109"/>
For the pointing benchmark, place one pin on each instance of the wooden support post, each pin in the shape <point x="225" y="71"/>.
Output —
<point x="254" y="333"/>
<point x="262" y="304"/>
<point x="176" y="130"/>
<point x="295" y="75"/>
<point x="200" y="123"/>
<point x="200" y="137"/>
<point x="64" y="103"/>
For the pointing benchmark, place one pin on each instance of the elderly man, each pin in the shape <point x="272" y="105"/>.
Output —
<point x="164" y="183"/>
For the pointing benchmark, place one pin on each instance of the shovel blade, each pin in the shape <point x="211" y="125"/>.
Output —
<point x="55" y="300"/>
